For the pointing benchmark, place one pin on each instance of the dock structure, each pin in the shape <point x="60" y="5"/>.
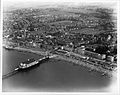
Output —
<point x="78" y="59"/>
<point x="35" y="62"/>
<point x="28" y="64"/>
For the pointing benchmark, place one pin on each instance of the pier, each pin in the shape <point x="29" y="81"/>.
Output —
<point x="68" y="56"/>
<point x="28" y="64"/>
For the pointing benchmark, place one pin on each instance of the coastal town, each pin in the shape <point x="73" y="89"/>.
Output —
<point x="86" y="36"/>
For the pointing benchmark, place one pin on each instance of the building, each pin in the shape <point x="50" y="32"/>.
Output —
<point x="110" y="58"/>
<point x="80" y="51"/>
<point x="94" y="55"/>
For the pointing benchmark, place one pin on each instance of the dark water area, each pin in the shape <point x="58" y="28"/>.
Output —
<point x="53" y="75"/>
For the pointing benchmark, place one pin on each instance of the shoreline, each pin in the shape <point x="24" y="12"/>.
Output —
<point x="26" y="50"/>
<point x="74" y="61"/>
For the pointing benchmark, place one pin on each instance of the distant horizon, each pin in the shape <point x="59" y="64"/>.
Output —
<point x="17" y="4"/>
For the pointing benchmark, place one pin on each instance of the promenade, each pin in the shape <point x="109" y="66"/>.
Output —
<point x="84" y="63"/>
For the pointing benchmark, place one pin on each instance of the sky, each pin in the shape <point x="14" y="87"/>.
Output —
<point x="32" y="3"/>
